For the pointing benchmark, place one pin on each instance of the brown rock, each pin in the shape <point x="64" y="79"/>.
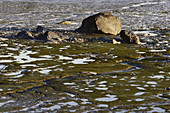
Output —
<point x="65" y="23"/>
<point x="129" y="37"/>
<point x="59" y="37"/>
<point x="101" y="22"/>
<point x="56" y="37"/>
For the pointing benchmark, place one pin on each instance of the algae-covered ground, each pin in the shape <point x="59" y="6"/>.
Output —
<point x="82" y="77"/>
<point x="86" y="77"/>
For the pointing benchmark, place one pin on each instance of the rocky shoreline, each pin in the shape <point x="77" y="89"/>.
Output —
<point x="101" y="27"/>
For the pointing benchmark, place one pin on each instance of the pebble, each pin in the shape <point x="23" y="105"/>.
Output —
<point x="65" y="23"/>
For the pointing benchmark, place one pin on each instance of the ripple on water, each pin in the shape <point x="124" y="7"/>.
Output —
<point x="157" y="109"/>
<point x="152" y="82"/>
<point x="139" y="99"/>
<point x="103" y="105"/>
<point x="3" y="103"/>
<point x="69" y="104"/>
<point x="24" y="57"/>
<point x="162" y="50"/>
<point x="139" y="93"/>
<point x="6" y="61"/>
<point x="101" y="88"/>
<point x="148" y="33"/>
<point x="140" y="88"/>
<point x="69" y="83"/>
<point x="102" y="82"/>
<point x="82" y="61"/>
<point x="157" y="76"/>
<point x="61" y="57"/>
<point x="2" y="67"/>
<point x="13" y="73"/>
<point x="28" y="65"/>
<point x="108" y="98"/>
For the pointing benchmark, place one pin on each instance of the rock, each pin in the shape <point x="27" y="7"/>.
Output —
<point x="55" y="37"/>
<point x="129" y="37"/>
<point x="65" y="23"/>
<point x="116" y="42"/>
<point x="25" y="35"/>
<point x="39" y="29"/>
<point x="58" y="38"/>
<point x="101" y="22"/>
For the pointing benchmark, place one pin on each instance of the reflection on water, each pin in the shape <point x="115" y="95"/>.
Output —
<point x="75" y="80"/>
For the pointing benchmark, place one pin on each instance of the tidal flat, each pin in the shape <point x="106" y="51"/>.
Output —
<point x="86" y="77"/>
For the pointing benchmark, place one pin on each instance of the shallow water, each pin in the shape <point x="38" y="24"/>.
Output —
<point x="88" y="77"/>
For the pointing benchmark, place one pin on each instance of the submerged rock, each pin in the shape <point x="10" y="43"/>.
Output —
<point x="101" y="22"/>
<point x="129" y="37"/>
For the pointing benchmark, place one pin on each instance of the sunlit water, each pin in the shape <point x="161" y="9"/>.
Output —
<point x="37" y="77"/>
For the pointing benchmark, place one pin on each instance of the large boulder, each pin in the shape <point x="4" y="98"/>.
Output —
<point x="129" y="37"/>
<point x="101" y="22"/>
